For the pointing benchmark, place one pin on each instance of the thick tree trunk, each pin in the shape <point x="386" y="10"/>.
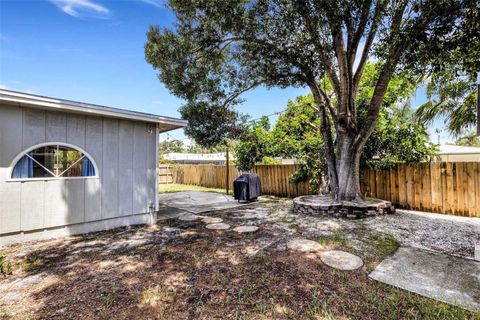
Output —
<point x="348" y="168"/>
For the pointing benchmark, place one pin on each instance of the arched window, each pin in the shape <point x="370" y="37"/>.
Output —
<point x="53" y="161"/>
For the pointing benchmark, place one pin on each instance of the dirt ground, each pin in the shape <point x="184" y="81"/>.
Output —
<point x="181" y="270"/>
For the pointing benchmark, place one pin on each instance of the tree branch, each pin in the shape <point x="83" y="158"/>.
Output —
<point x="327" y="102"/>
<point x="326" y="132"/>
<point x="239" y="92"/>
<point x="368" y="44"/>
<point x="319" y="48"/>
<point x="353" y="44"/>
<point x="383" y="79"/>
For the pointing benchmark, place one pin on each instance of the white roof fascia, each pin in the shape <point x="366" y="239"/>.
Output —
<point x="48" y="103"/>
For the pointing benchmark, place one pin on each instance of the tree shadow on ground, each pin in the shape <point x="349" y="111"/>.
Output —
<point x="180" y="270"/>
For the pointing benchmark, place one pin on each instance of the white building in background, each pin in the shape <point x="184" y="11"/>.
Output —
<point x="198" y="158"/>
<point x="209" y="158"/>
<point x="454" y="153"/>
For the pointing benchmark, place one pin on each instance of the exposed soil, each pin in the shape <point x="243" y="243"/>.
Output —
<point x="181" y="270"/>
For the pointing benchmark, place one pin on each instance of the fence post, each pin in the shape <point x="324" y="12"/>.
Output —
<point x="227" y="168"/>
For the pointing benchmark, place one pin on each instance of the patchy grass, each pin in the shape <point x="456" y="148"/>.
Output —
<point x="169" y="188"/>
<point x="289" y="221"/>
<point x="337" y="240"/>
<point x="202" y="274"/>
<point x="5" y="266"/>
<point x="383" y="244"/>
<point x="31" y="263"/>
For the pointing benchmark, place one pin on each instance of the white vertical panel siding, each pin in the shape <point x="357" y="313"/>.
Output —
<point x="55" y="126"/>
<point x="32" y="205"/>
<point x="33" y="127"/>
<point x="76" y="130"/>
<point x="93" y="187"/>
<point x="151" y="163"/>
<point x="125" y="154"/>
<point x="56" y="208"/>
<point x="10" y="145"/>
<point x="125" y="168"/>
<point x="10" y="207"/>
<point x="32" y="193"/>
<point x="74" y="197"/>
<point x="110" y="169"/>
<point x="140" y="168"/>
<point x="11" y="119"/>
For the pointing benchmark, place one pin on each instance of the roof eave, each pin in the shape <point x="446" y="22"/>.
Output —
<point x="47" y="103"/>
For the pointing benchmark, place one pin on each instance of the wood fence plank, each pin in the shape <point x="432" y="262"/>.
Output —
<point x="451" y="188"/>
<point x="436" y="187"/>
<point x="426" y="187"/>
<point x="471" y="169"/>
<point x="402" y="186"/>
<point x="444" y="187"/>
<point x="460" y="200"/>
<point x="477" y="188"/>
<point x="417" y="187"/>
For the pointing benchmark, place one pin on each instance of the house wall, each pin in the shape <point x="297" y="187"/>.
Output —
<point x="468" y="157"/>
<point x="124" y="152"/>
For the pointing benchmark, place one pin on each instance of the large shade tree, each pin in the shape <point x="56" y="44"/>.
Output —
<point x="218" y="50"/>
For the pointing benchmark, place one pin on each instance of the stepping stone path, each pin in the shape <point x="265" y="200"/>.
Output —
<point x="304" y="245"/>
<point x="188" y="217"/>
<point x="341" y="260"/>
<point x="218" y="226"/>
<point x="211" y="220"/>
<point x="245" y="229"/>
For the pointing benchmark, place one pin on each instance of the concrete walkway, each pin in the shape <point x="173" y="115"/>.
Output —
<point x="446" y="278"/>
<point x="198" y="201"/>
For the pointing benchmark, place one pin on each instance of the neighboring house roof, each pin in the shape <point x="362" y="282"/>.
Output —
<point x="454" y="149"/>
<point x="55" y="104"/>
<point x="200" y="157"/>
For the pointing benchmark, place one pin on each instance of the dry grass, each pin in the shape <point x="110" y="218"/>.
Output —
<point x="199" y="274"/>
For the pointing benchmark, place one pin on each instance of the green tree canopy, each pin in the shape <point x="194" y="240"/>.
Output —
<point x="170" y="145"/>
<point x="397" y="137"/>
<point x="220" y="49"/>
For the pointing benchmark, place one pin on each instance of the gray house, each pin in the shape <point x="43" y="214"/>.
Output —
<point x="68" y="167"/>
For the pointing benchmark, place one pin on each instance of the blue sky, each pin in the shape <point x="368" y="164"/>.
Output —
<point x="92" y="51"/>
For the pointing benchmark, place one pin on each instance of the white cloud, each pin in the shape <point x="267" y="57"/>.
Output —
<point x="4" y="87"/>
<point x="156" y="3"/>
<point x="159" y="102"/>
<point x="77" y="8"/>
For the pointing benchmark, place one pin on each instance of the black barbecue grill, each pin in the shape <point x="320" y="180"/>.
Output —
<point x="247" y="187"/>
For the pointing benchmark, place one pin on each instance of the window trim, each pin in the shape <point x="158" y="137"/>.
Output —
<point x="45" y="144"/>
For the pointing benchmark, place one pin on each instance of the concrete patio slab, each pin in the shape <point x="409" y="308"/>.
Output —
<point x="198" y="201"/>
<point x="166" y="212"/>
<point x="446" y="278"/>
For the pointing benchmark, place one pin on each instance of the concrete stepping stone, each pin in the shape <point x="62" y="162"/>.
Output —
<point x="209" y="220"/>
<point x="217" y="226"/>
<point x="304" y="245"/>
<point x="341" y="260"/>
<point x="188" y="217"/>
<point x="245" y="229"/>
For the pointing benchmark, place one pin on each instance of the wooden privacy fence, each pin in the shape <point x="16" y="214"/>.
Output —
<point x="274" y="178"/>
<point x="165" y="174"/>
<point x="445" y="187"/>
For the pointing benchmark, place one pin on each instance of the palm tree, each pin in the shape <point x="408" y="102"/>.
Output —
<point x="452" y="98"/>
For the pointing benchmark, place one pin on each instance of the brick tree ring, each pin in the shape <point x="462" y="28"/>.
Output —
<point x="325" y="206"/>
